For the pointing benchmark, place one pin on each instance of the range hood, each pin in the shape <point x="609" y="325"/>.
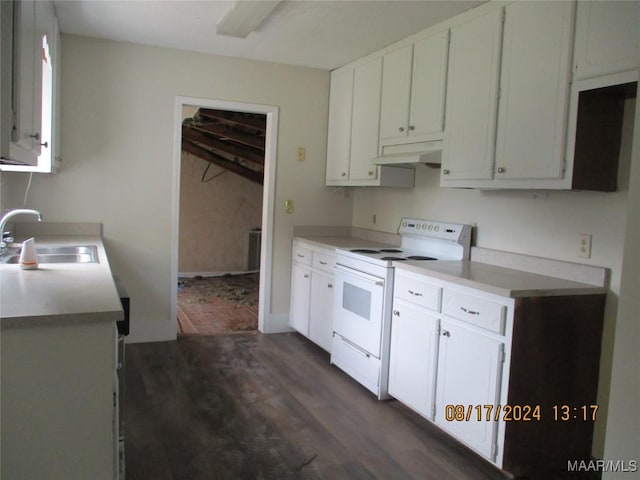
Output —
<point x="428" y="153"/>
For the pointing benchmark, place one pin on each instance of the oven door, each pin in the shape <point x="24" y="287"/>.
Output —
<point x="358" y="308"/>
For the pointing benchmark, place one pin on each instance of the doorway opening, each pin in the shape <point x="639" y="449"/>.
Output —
<point x="223" y="211"/>
<point x="221" y="192"/>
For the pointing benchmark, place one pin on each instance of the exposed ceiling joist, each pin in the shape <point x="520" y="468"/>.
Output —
<point x="229" y="148"/>
<point x="234" y="118"/>
<point x="201" y="152"/>
<point x="224" y="132"/>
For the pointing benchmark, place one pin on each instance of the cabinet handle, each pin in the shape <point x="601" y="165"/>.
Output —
<point x="396" y="313"/>
<point x="445" y="172"/>
<point x="415" y="294"/>
<point x="299" y="255"/>
<point x="306" y="275"/>
<point x="322" y="263"/>
<point x="446" y="333"/>
<point x="329" y="285"/>
<point x="401" y="129"/>
<point x="470" y="312"/>
<point x="500" y="169"/>
<point x="411" y="127"/>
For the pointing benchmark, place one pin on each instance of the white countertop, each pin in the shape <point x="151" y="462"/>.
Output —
<point x="333" y="242"/>
<point x="502" y="281"/>
<point x="59" y="293"/>
<point x="492" y="278"/>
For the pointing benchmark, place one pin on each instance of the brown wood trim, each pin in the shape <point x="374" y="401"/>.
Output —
<point x="230" y="148"/>
<point x="201" y="152"/>
<point x="230" y="133"/>
<point x="254" y="121"/>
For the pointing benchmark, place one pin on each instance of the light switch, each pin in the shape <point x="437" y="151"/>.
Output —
<point x="288" y="206"/>
<point x="300" y="154"/>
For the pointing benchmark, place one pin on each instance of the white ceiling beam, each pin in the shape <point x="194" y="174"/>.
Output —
<point x="244" y="16"/>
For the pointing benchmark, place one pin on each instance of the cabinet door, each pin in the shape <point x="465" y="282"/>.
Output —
<point x="339" y="134"/>
<point x="27" y="81"/>
<point x="412" y="361"/>
<point x="535" y="74"/>
<point x="396" y="89"/>
<point x="607" y="37"/>
<point x="300" y="292"/>
<point x="469" y="374"/>
<point x="365" y="121"/>
<point x="429" y="74"/>
<point x="472" y="93"/>
<point x="321" y="309"/>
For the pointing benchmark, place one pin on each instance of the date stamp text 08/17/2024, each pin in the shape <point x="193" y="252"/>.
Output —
<point x="519" y="413"/>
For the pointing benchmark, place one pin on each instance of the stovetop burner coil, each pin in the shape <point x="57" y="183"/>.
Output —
<point x="420" y="257"/>
<point x="363" y="250"/>
<point x="393" y="258"/>
<point x="390" y="250"/>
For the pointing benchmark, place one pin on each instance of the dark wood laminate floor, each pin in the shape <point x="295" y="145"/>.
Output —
<point x="253" y="406"/>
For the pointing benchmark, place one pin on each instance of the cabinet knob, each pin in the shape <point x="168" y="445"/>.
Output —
<point x="343" y="174"/>
<point x="35" y="136"/>
<point x="445" y="172"/>
<point x="396" y="313"/>
<point x="446" y="333"/>
<point x="412" y="127"/>
<point x="306" y="275"/>
<point x="500" y="169"/>
<point x="370" y="173"/>
<point x="329" y="285"/>
<point x="401" y="129"/>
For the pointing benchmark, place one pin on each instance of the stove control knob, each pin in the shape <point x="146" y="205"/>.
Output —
<point x="396" y="313"/>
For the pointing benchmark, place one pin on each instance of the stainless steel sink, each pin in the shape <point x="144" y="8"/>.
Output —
<point x="62" y="254"/>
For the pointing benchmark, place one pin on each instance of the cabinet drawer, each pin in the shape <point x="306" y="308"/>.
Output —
<point x="324" y="261"/>
<point x="418" y="292"/>
<point x="475" y="310"/>
<point x="301" y="254"/>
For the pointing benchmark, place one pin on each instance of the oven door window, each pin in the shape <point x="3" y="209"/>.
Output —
<point x="358" y="310"/>
<point x="357" y="300"/>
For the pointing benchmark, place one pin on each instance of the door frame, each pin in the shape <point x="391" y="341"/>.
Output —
<point x="268" y="198"/>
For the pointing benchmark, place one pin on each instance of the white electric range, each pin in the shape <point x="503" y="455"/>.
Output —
<point x="364" y="292"/>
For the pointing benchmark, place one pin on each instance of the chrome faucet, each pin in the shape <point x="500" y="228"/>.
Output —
<point x="12" y="213"/>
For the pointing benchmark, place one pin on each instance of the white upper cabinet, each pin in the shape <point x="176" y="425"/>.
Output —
<point x="354" y="121"/>
<point x="27" y="83"/>
<point x="607" y="37"/>
<point x="508" y="96"/>
<point x="365" y="121"/>
<point x="413" y="91"/>
<point x="339" y="134"/>
<point x="535" y="72"/>
<point x="34" y="86"/>
<point x="472" y="93"/>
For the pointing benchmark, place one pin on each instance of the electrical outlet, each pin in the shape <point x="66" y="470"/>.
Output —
<point x="584" y="250"/>
<point x="288" y="206"/>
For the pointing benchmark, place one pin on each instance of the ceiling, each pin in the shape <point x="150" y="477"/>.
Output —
<point x="323" y="34"/>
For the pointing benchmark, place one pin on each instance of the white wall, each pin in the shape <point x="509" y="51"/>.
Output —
<point x="623" y="426"/>
<point x="117" y="126"/>
<point x="540" y="223"/>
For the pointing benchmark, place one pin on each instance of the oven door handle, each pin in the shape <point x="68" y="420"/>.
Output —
<point x="361" y="275"/>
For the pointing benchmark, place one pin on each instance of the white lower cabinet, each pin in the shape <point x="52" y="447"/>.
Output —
<point x="469" y="374"/>
<point x="311" y="306"/>
<point x="300" y="298"/>
<point x="321" y="309"/>
<point x="414" y="350"/>
<point x="494" y="371"/>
